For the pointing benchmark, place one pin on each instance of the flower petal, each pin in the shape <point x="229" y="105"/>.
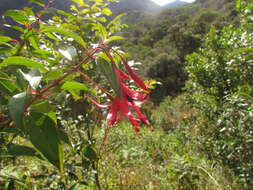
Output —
<point x="99" y="105"/>
<point x="135" y="77"/>
<point x="133" y="94"/>
<point x="122" y="75"/>
<point x="112" y="116"/>
<point x="140" y="115"/>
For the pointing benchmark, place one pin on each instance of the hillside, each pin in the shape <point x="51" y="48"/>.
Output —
<point x="175" y="3"/>
<point x="134" y="5"/>
<point x="162" y="41"/>
<point x="136" y="9"/>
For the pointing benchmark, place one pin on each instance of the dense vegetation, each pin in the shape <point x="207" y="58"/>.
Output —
<point x="201" y="108"/>
<point x="163" y="41"/>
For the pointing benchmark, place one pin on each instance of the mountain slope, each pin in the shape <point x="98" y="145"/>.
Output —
<point x="123" y="5"/>
<point x="175" y="3"/>
<point x="134" y="5"/>
<point x="162" y="41"/>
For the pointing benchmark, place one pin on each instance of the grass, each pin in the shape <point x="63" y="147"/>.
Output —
<point x="151" y="160"/>
<point x="158" y="161"/>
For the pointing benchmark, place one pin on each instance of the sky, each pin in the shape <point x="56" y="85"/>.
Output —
<point x="163" y="2"/>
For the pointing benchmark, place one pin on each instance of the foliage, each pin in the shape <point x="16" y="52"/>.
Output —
<point x="49" y="68"/>
<point x="173" y="113"/>
<point x="220" y="84"/>
<point x="161" y="42"/>
<point x="158" y="160"/>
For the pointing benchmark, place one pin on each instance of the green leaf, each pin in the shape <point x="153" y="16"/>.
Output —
<point x="101" y="31"/>
<point x="77" y="186"/>
<point x="74" y="187"/>
<point x="17" y="105"/>
<point x="63" y="136"/>
<point x="43" y="54"/>
<point x="107" y="11"/>
<point x="18" y="15"/>
<point x="38" y="2"/>
<point x="238" y="51"/>
<point x="65" y="32"/>
<point x="42" y="106"/>
<point x="11" y="185"/>
<point x="107" y="69"/>
<point x="114" y="38"/>
<point x="10" y="130"/>
<point x="20" y="150"/>
<point x="116" y="20"/>
<point x="52" y="75"/>
<point x="72" y="85"/>
<point x="34" y="42"/>
<point x="80" y="3"/>
<point x="22" y="61"/>
<point x="6" y="84"/>
<point x="44" y="136"/>
<point x="90" y="153"/>
<point x="4" y="153"/>
<point x="4" y="39"/>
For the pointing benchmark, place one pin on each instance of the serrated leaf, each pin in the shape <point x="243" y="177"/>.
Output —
<point x="44" y="136"/>
<point x="17" y="105"/>
<point x="18" y="15"/>
<point x="65" y="32"/>
<point x="22" y="61"/>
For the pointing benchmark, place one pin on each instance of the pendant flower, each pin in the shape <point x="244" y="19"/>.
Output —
<point x="129" y="101"/>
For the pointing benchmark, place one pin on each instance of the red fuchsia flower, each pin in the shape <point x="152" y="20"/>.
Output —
<point x="129" y="100"/>
<point x="135" y="77"/>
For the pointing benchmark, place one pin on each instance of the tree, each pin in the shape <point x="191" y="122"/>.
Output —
<point x="220" y="84"/>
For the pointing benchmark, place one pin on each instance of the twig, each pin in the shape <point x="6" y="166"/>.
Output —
<point x="87" y="78"/>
